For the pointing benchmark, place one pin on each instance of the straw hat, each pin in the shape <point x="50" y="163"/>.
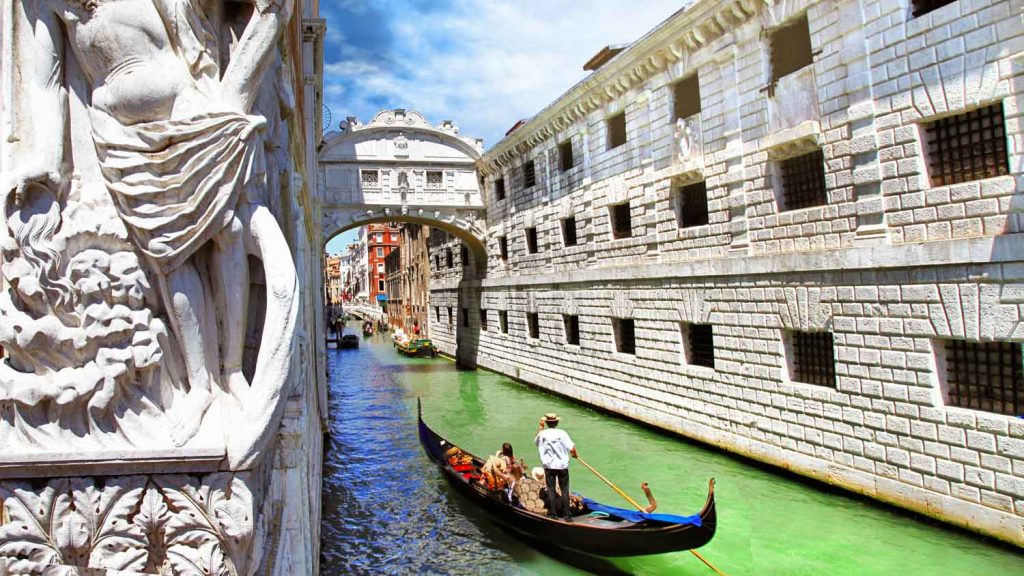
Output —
<point x="537" y="473"/>
<point x="551" y="417"/>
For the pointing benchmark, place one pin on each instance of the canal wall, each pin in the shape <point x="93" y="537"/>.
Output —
<point x="866" y="334"/>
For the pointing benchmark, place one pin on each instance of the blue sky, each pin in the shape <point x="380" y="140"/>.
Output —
<point x="482" y="63"/>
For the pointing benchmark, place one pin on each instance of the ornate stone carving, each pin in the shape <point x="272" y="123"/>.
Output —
<point x="622" y="305"/>
<point x="803" y="309"/>
<point x="177" y="525"/>
<point x="132" y="198"/>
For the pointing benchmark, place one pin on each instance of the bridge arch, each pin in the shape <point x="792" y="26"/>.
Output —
<point x="400" y="168"/>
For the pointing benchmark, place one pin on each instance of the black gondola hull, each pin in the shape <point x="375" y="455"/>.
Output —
<point x="631" y="540"/>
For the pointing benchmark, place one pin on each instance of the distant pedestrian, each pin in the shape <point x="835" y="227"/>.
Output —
<point x="555" y="447"/>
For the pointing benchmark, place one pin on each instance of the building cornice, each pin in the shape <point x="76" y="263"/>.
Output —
<point x="688" y="30"/>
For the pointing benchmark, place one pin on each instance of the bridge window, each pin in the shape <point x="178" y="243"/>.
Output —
<point x="565" y="159"/>
<point x="686" y="97"/>
<point x="790" y="48"/>
<point x="503" y="247"/>
<point x="370" y="178"/>
<point x="465" y="317"/>
<point x="435" y="179"/>
<point x="812" y="358"/>
<point x="483" y="319"/>
<point x="625" y="335"/>
<point x="572" y="329"/>
<point x="966" y="147"/>
<point x="616" y="127"/>
<point x="803" y="181"/>
<point x="622" y="221"/>
<point x="499" y="188"/>
<point x="569" y="231"/>
<point x="533" y="324"/>
<point x="698" y="344"/>
<point x="692" y="205"/>
<point x="922" y="7"/>
<point x="531" y="240"/>
<point x="503" y="321"/>
<point x="985" y="376"/>
<point x="448" y="257"/>
<point x="529" y="174"/>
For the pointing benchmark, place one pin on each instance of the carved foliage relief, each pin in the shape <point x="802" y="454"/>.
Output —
<point x="172" y="525"/>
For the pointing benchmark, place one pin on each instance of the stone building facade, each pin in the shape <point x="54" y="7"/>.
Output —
<point x="791" y="230"/>
<point x="408" y="279"/>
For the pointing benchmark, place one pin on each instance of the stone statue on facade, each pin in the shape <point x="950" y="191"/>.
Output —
<point x="134" y="193"/>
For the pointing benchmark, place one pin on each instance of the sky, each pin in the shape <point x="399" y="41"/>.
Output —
<point x="484" y="64"/>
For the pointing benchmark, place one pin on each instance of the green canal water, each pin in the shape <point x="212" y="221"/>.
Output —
<point x="388" y="511"/>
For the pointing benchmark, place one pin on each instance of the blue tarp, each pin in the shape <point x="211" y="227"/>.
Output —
<point x="382" y="297"/>
<point x="637" y="516"/>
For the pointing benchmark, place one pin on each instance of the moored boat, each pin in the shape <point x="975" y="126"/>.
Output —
<point x="348" y="341"/>
<point x="596" y="529"/>
<point x="420" y="347"/>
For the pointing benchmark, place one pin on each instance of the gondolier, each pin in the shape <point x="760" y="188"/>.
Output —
<point x="555" y="447"/>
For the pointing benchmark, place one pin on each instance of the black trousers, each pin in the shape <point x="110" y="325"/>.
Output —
<point x="557" y="505"/>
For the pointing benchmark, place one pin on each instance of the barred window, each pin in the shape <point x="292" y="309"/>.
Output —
<point x="572" y="329"/>
<point x="813" y="360"/>
<point x="533" y="324"/>
<point x="985" y="376"/>
<point x="622" y="221"/>
<point x="569" y="231"/>
<point x="565" y="159"/>
<point x="803" y="181"/>
<point x="699" y="341"/>
<point x="922" y="7"/>
<point x="692" y="205"/>
<point x="483" y="320"/>
<point x="503" y="321"/>
<point x="625" y="335"/>
<point x="499" y="188"/>
<point x="968" y="146"/>
<point x="616" y="127"/>
<point x="370" y="178"/>
<point x="529" y="174"/>
<point x="791" y="48"/>
<point x="448" y="257"/>
<point x="465" y="317"/>
<point x="531" y="240"/>
<point x="686" y="97"/>
<point x="503" y="247"/>
<point x="435" y="178"/>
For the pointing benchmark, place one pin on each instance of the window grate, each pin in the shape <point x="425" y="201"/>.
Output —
<point x="791" y="48"/>
<point x="565" y="159"/>
<point x="966" y="147"/>
<point x="702" y="345"/>
<point x="616" y="127"/>
<point x="686" y="97"/>
<point x="503" y="321"/>
<point x="622" y="221"/>
<point x="814" y="358"/>
<point x="985" y="376"/>
<point x="625" y="335"/>
<point x="483" y="320"/>
<point x="569" y="231"/>
<point x="435" y="179"/>
<point x="803" y="181"/>
<point x="499" y="188"/>
<point x="572" y="329"/>
<point x="370" y="178"/>
<point x="531" y="240"/>
<point x="693" y="205"/>
<point x="503" y="247"/>
<point x="533" y="324"/>
<point x="922" y="7"/>
<point x="529" y="174"/>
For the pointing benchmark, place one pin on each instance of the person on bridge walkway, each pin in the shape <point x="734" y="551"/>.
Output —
<point x="555" y="447"/>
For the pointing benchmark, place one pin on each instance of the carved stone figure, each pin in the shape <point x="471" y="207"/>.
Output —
<point x="128" y="258"/>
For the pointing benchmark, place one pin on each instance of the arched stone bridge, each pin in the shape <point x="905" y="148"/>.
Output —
<point x="400" y="168"/>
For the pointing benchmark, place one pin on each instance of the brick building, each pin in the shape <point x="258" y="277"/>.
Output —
<point x="788" y="229"/>
<point x="408" y="279"/>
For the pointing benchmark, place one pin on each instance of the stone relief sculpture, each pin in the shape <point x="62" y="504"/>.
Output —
<point x="134" y="191"/>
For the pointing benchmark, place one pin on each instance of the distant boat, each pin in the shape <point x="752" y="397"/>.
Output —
<point x="597" y="530"/>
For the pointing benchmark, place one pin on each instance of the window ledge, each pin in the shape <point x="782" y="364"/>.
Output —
<point x="800" y="139"/>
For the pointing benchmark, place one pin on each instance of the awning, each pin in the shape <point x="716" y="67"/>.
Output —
<point x="382" y="297"/>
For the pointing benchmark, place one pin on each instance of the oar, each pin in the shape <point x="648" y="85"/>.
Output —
<point x="641" y="508"/>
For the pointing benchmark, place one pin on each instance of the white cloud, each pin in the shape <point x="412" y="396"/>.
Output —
<point x="483" y="63"/>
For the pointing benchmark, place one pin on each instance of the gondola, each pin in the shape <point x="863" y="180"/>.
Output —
<point x="595" y="532"/>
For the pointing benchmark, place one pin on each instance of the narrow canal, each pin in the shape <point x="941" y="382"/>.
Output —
<point x="386" y="510"/>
